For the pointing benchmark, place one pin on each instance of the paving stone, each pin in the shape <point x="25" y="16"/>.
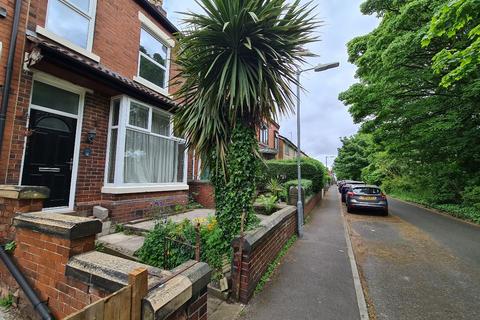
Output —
<point x="122" y="243"/>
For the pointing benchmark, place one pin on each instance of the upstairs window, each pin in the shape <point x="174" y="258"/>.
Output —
<point x="153" y="60"/>
<point x="72" y="20"/>
<point x="276" y="142"/>
<point x="264" y="134"/>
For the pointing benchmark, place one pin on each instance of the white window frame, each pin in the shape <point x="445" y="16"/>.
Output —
<point x="67" y="86"/>
<point x="118" y="186"/>
<point x="91" y="15"/>
<point x="150" y="27"/>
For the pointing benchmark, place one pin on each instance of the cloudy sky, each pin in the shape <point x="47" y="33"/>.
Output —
<point x="324" y="118"/>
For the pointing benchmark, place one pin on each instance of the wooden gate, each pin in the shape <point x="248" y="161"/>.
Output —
<point x="125" y="304"/>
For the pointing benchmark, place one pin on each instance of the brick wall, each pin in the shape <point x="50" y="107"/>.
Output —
<point x="203" y="193"/>
<point x="312" y="203"/>
<point x="9" y="208"/>
<point x="129" y="207"/>
<point x="260" y="250"/>
<point x="194" y="309"/>
<point x="42" y="253"/>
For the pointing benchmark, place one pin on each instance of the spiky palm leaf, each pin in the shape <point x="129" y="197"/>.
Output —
<point x="237" y="62"/>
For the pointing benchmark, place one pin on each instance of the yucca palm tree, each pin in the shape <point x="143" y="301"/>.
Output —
<point x="237" y="62"/>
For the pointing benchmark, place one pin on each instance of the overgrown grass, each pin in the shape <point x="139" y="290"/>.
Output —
<point x="461" y="211"/>
<point x="275" y="263"/>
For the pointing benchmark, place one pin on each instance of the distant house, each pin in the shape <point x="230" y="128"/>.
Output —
<point x="287" y="149"/>
<point x="89" y="107"/>
<point x="268" y="139"/>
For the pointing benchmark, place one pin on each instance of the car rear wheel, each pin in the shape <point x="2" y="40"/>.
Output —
<point x="349" y="209"/>
<point x="385" y="212"/>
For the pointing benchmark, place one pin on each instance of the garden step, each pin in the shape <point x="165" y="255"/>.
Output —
<point x="145" y="226"/>
<point x="121" y="245"/>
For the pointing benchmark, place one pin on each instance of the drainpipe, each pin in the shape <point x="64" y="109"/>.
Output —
<point x="9" y="69"/>
<point x="38" y="306"/>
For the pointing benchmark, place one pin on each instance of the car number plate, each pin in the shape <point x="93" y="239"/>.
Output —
<point x="368" y="198"/>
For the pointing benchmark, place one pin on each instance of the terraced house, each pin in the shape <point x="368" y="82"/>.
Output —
<point x="87" y="105"/>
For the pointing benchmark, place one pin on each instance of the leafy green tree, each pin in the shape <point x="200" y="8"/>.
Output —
<point x="352" y="157"/>
<point x="237" y="62"/>
<point x="425" y="126"/>
<point x="459" y="23"/>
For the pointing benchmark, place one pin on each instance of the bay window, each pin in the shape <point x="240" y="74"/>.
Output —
<point x="72" y="20"/>
<point x="142" y="148"/>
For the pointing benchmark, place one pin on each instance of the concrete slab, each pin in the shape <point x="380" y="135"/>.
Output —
<point x="148" y="225"/>
<point x="221" y="310"/>
<point x="122" y="243"/>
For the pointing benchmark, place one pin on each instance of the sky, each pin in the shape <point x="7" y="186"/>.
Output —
<point x="324" y="119"/>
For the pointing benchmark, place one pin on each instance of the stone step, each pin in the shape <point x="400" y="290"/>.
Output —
<point x="145" y="226"/>
<point x="121" y="245"/>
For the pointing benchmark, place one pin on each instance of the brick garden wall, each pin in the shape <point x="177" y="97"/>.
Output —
<point x="42" y="257"/>
<point x="259" y="254"/>
<point x="312" y="203"/>
<point x="261" y="247"/>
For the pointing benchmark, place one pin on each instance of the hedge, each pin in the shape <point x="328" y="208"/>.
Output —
<point x="307" y="185"/>
<point x="285" y="170"/>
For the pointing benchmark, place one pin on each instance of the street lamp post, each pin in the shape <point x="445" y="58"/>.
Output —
<point x="326" y="160"/>
<point x="319" y="68"/>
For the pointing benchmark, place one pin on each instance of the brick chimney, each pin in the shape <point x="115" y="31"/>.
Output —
<point x="159" y="5"/>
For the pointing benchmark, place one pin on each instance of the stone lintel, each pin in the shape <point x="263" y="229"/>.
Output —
<point x="64" y="226"/>
<point x="252" y="238"/>
<point x="24" y="192"/>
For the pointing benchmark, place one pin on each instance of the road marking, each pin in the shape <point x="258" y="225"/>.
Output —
<point x="362" y="305"/>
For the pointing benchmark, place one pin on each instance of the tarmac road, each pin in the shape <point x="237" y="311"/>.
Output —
<point x="417" y="264"/>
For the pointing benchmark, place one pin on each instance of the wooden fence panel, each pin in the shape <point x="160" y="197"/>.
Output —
<point x="91" y="312"/>
<point x="118" y="305"/>
<point x="125" y="304"/>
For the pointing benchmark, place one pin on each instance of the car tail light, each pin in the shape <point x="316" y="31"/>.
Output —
<point x="384" y="197"/>
<point x="350" y="194"/>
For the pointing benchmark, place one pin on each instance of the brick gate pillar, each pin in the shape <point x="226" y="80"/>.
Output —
<point x="15" y="200"/>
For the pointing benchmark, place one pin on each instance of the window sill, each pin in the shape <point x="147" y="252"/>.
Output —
<point x="151" y="86"/>
<point x="44" y="32"/>
<point x="144" y="188"/>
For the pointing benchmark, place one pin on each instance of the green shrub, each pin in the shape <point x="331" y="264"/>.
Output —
<point x="471" y="196"/>
<point x="275" y="188"/>
<point x="159" y="252"/>
<point x="307" y="185"/>
<point x="285" y="170"/>
<point x="268" y="202"/>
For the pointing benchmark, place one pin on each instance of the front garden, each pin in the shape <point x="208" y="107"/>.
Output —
<point x="170" y="244"/>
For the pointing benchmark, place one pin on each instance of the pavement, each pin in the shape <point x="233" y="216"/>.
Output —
<point x="315" y="279"/>
<point x="417" y="264"/>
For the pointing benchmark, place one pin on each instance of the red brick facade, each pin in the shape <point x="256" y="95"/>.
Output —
<point x="116" y="42"/>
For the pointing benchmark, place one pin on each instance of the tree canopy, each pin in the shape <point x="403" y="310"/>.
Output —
<point x="418" y="97"/>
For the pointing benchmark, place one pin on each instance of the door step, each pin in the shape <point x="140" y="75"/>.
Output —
<point x="121" y="245"/>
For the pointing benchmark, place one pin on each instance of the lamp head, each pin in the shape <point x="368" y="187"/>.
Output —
<point x="326" y="66"/>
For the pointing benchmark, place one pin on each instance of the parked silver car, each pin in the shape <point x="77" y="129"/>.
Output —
<point x="366" y="197"/>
